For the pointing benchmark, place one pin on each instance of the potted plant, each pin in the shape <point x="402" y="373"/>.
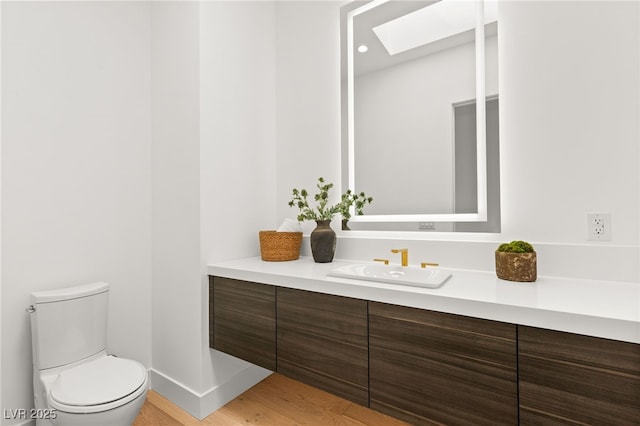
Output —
<point x="323" y="238"/>
<point x="516" y="261"/>
<point x="358" y="201"/>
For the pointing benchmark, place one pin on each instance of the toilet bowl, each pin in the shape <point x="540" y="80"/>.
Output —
<point x="76" y="383"/>
<point x="101" y="391"/>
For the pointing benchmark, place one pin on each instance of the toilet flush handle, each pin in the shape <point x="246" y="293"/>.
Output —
<point x="31" y="309"/>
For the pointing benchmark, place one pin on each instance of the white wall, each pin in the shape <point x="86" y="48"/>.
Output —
<point x="175" y="159"/>
<point x="308" y="98"/>
<point x="138" y="145"/>
<point x="76" y="188"/>
<point x="214" y="181"/>
<point x="237" y="161"/>
<point x="570" y="127"/>
<point x="569" y="97"/>
<point x="238" y="126"/>
<point x="213" y="121"/>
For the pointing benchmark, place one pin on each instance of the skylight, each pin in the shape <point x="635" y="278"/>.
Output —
<point x="432" y="23"/>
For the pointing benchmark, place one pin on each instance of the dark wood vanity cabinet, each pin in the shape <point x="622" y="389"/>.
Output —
<point x="567" y="378"/>
<point x="322" y="341"/>
<point x="434" y="368"/>
<point x="242" y="317"/>
<point x="427" y="367"/>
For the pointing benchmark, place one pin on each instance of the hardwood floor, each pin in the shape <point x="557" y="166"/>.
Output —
<point x="276" y="401"/>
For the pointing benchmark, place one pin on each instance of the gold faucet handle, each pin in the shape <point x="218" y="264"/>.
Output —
<point x="402" y="250"/>
<point x="386" y="261"/>
<point x="404" y="255"/>
<point x="425" y="264"/>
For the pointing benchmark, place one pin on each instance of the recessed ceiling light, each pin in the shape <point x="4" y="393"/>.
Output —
<point x="362" y="48"/>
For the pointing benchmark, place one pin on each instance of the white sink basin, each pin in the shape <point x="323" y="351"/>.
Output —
<point x="393" y="274"/>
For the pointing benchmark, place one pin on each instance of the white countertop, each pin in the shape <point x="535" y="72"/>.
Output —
<point x="608" y="309"/>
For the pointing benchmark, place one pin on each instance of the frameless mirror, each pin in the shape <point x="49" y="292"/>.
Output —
<point x="414" y="136"/>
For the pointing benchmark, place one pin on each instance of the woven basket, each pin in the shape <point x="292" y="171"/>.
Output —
<point x="280" y="246"/>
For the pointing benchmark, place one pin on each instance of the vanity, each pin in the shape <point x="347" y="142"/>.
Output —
<point x="477" y="350"/>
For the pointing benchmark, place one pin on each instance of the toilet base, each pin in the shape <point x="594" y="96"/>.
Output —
<point x="121" y="416"/>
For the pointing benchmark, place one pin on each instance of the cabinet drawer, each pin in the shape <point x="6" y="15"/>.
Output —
<point x="322" y="341"/>
<point x="435" y="368"/>
<point x="243" y="320"/>
<point x="569" y="378"/>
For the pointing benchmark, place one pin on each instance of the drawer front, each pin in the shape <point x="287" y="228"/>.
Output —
<point x="567" y="378"/>
<point x="322" y="341"/>
<point x="434" y="368"/>
<point x="243" y="320"/>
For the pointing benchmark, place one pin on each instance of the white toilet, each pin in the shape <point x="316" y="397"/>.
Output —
<point x="75" y="382"/>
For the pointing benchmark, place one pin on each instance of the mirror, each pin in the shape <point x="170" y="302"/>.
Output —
<point x="414" y="136"/>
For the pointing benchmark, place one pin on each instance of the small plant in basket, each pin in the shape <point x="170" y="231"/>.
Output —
<point x="516" y="261"/>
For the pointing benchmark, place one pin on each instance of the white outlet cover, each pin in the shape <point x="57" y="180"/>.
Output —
<point x="598" y="226"/>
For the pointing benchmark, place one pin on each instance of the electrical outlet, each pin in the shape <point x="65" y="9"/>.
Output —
<point x="598" y="227"/>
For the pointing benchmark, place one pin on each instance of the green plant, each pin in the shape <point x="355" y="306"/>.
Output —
<point x="516" y="247"/>
<point x="349" y="199"/>
<point x="322" y="211"/>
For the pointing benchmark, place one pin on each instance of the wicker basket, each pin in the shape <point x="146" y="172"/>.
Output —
<point x="280" y="246"/>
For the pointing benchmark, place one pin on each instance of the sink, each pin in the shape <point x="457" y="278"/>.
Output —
<point x="393" y="274"/>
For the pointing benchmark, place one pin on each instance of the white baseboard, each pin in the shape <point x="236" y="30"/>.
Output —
<point x="25" y="423"/>
<point x="200" y="405"/>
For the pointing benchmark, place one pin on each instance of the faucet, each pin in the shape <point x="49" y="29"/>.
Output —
<point x="404" y="253"/>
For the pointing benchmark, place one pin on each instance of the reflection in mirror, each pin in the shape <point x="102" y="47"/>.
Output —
<point x="414" y="137"/>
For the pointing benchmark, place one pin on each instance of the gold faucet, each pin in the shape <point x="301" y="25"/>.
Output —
<point x="404" y="253"/>
<point x="385" y="261"/>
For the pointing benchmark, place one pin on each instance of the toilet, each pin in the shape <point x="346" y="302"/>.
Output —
<point x="75" y="381"/>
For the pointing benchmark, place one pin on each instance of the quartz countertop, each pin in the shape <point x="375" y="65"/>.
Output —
<point x="608" y="309"/>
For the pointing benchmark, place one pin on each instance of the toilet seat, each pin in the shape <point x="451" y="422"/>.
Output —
<point x="98" y="385"/>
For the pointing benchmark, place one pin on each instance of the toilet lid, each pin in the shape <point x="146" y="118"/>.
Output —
<point x="101" y="381"/>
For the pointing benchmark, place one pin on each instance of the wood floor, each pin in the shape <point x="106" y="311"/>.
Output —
<point x="276" y="401"/>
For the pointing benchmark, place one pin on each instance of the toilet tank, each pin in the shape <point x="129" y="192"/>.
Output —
<point x="69" y="324"/>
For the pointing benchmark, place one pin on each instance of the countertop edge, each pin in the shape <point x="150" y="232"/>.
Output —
<point x="306" y="275"/>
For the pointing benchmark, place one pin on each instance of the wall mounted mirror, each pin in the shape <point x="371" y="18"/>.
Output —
<point x="414" y="136"/>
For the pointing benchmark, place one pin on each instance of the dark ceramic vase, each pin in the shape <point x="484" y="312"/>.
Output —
<point x="323" y="242"/>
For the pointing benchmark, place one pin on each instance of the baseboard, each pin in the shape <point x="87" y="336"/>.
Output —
<point x="176" y="392"/>
<point x="218" y="396"/>
<point x="200" y="405"/>
<point x="26" y="423"/>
